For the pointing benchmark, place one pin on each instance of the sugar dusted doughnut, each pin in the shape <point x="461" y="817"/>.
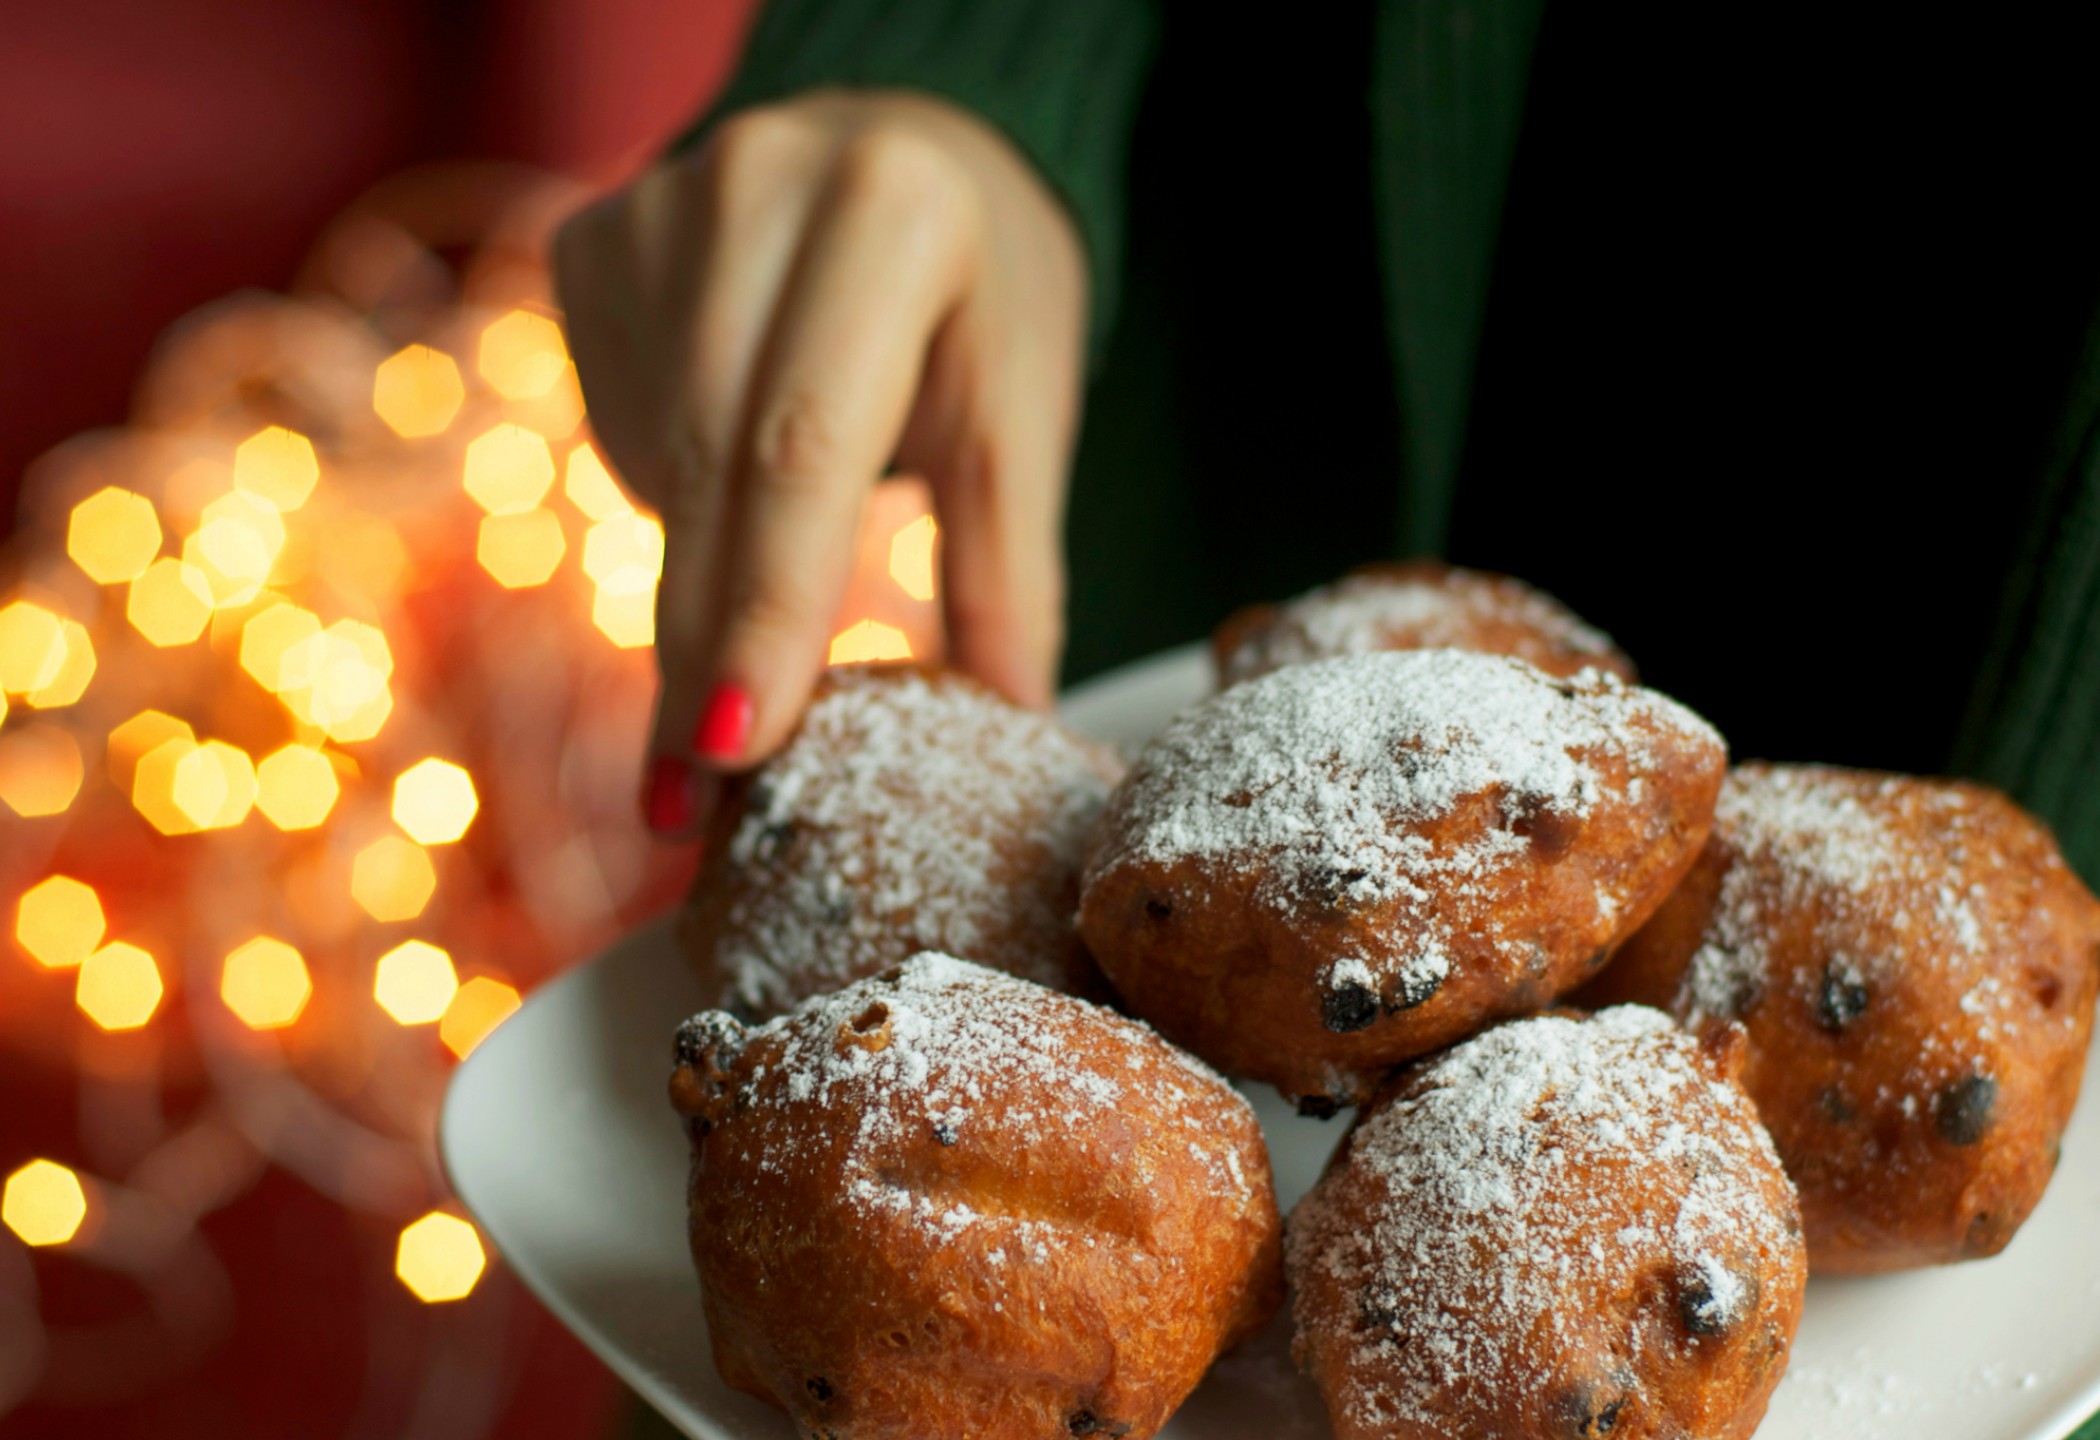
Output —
<point x="1916" y="968"/>
<point x="912" y="810"/>
<point x="1340" y="865"/>
<point x="1562" y="1228"/>
<point x="1413" y="605"/>
<point x="948" y="1202"/>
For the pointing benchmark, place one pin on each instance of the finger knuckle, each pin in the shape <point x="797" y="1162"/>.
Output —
<point x="796" y="443"/>
<point x="895" y="165"/>
<point x="753" y="146"/>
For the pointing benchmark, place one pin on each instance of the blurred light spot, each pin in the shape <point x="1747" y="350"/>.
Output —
<point x="591" y="488"/>
<point x="113" y="535"/>
<point x="417" y="391"/>
<point x="434" y="801"/>
<point x="522" y="355"/>
<point x="509" y="469"/>
<point x="142" y="732"/>
<point x="74" y="671"/>
<point x="43" y="1203"/>
<point x="237" y="542"/>
<point x="415" y="982"/>
<point x="627" y="618"/>
<point x="265" y="983"/>
<point x="214" y="785"/>
<point x="911" y="558"/>
<point x="625" y="554"/>
<point x="32" y="647"/>
<point x="869" y="640"/>
<point x="522" y="549"/>
<point x="40" y="770"/>
<point x="268" y="635"/>
<point x="119" y="987"/>
<point x="392" y="879"/>
<point x="170" y="602"/>
<point x="439" y="1258"/>
<point x="336" y="680"/>
<point x="276" y="466"/>
<point x="153" y="784"/>
<point x="295" y="787"/>
<point x="60" y="921"/>
<point x="481" y="1005"/>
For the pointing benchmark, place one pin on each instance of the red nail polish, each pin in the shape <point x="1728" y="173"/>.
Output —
<point x="725" y="725"/>
<point x="668" y="804"/>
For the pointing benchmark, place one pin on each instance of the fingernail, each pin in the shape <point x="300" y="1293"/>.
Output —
<point x="667" y="805"/>
<point x="725" y="725"/>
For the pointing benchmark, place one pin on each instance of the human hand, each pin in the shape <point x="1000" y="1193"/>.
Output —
<point x="761" y="327"/>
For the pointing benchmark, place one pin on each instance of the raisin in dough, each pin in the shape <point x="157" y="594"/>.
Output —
<point x="948" y="1202"/>
<point x="1341" y="865"/>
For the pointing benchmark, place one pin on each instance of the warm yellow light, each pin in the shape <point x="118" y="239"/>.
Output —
<point x="625" y="554"/>
<point x="522" y="355"/>
<point x="365" y="721"/>
<point x="214" y="785"/>
<point x="911" y="558"/>
<point x="142" y="732"/>
<point x="439" y="1258"/>
<point x="509" y="469"/>
<point x="265" y="983"/>
<point x="153" y="785"/>
<point x="628" y="619"/>
<point x="74" y="671"/>
<point x="417" y="391"/>
<point x="170" y="602"/>
<point x="59" y="921"/>
<point x="520" y="550"/>
<point x="43" y="1203"/>
<point x="295" y="787"/>
<point x="119" y="987"/>
<point x="415" y="982"/>
<point x="268" y="634"/>
<point x="336" y="680"/>
<point x="237" y="541"/>
<point x="434" y="801"/>
<point x="276" y="466"/>
<point x="113" y="535"/>
<point x="869" y="640"/>
<point x="481" y="1005"/>
<point x="32" y="647"/>
<point x="39" y="770"/>
<point x="392" y="879"/>
<point x="591" y="487"/>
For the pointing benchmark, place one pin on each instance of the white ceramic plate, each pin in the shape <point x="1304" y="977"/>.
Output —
<point x="558" y="1137"/>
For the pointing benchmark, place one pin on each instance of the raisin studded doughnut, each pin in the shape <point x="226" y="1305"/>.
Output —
<point x="944" y="1201"/>
<point x="1561" y="1229"/>
<point x="1413" y="605"/>
<point x="1335" y="867"/>
<point x="1916" y="968"/>
<point x="911" y="810"/>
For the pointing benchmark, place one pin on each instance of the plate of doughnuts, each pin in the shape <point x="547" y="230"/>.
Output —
<point x="558" y="1135"/>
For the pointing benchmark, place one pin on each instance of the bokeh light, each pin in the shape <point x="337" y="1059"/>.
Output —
<point x="268" y="634"/>
<point x="141" y="733"/>
<point x="277" y="466"/>
<point x="265" y="983"/>
<point x="392" y="879"/>
<point x="624" y="554"/>
<point x="523" y="355"/>
<point x="509" y="470"/>
<point x="60" y="921"/>
<point x="627" y="618"/>
<point x="75" y="668"/>
<point x="434" y="801"/>
<point x="32" y="647"/>
<point x="482" y="1004"/>
<point x="43" y="1203"/>
<point x="337" y="680"/>
<point x="119" y="987"/>
<point x="296" y="787"/>
<point x="911" y="558"/>
<point x="522" y="549"/>
<point x="170" y="602"/>
<point x="238" y="539"/>
<point x="40" y="770"/>
<point x="153" y="785"/>
<point x="113" y="535"/>
<point x="415" y="982"/>
<point x="868" y="641"/>
<point x="214" y="785"/>
<point x="439" y="1258"/>
<point x="591" y="487"/>
<point x="417" y="391"/>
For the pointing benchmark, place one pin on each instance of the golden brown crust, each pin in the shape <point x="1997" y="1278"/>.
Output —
<point x="1342" y="865"/>
<point x="1916" y="968"/>
<point x="1413" y="605"/>
<point x="948" y="1202"/>
<point x="1560" y="1228"/>
<point x="913" y="809"/>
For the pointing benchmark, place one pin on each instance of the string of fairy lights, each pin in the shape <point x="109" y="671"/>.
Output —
<point x="323" y="691"/>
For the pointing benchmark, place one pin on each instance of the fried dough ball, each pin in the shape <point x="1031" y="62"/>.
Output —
<point x="1562" y="1228"/>
<point x="948" y="1202"/>
<point x="912" y="810"/>
<point x="1413" y="605"/>
<point x="1916" y="968"/>
<point x="1341" y="865"/>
